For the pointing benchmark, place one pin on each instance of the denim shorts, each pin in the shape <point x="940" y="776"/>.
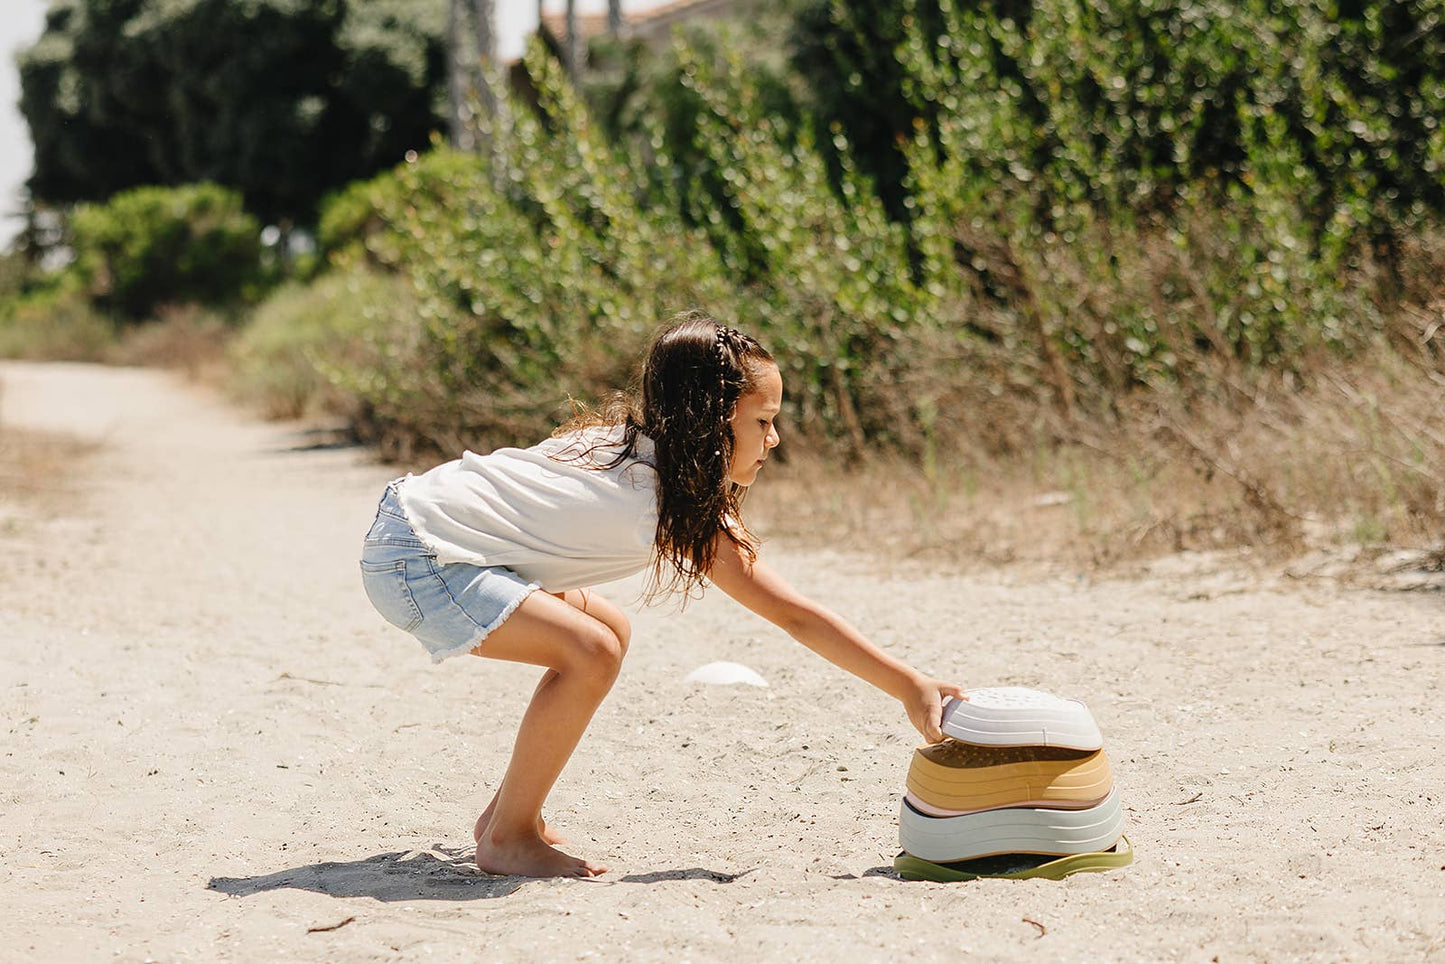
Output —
<point x="449" y="608"/>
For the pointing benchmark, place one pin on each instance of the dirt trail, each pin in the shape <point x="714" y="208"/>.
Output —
<point x="214" y="750"/>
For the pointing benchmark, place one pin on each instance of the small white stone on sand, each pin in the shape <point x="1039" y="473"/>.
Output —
<point x="724" y="674"/>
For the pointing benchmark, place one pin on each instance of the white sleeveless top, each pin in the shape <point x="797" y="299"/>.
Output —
<point x="561" y="524"/>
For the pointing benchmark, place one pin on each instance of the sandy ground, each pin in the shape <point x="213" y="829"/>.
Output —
<point x="215" y="751"/>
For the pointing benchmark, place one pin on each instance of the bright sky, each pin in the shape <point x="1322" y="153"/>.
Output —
<point x="516" y="19"/>
<point x="19" y="27"/>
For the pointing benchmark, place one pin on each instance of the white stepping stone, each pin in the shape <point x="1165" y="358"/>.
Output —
<point x="1012" y="830"/>
<point x="1018" y="716"/>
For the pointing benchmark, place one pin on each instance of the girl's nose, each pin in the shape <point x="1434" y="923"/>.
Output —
<point x="773" y="438"/>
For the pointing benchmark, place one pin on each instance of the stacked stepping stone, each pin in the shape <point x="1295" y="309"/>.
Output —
<point x="1020" y="774"/>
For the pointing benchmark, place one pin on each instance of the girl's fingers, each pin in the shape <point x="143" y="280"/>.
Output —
<point x="934" y="731"/>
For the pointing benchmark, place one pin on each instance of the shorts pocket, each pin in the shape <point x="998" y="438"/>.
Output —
<point x="385" y="584"/>
<point x="391" y="530"/>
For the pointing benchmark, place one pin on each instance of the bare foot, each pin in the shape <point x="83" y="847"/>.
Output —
<point x="531" y="857"/>
<point x="545" y="832"/>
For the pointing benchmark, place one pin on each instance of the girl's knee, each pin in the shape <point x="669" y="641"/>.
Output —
<point x="622" y="629"/>
<point x="599" y="650"/>
<point x="602" y="610"/>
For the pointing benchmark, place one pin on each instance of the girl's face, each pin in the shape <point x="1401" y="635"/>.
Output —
<point x="754" y="434"/>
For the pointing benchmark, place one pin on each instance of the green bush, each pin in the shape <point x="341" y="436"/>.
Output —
<point x="1098" y="200"/>
<point x="841" y="306"/>
<point x="1129" y="188"/>
<point x="55" y="324"/>
<point x="359" y="223"/>
<point x="1125" y="103"/>
<point x="16" y="276"/>
<point x="539" y="275"/>
<point x="156" y="245"/>
<point x="281" y="359"/>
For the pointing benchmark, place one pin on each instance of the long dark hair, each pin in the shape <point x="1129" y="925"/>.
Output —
<point x="695" y="371"/>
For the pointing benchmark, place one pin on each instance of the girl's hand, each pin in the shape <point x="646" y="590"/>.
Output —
<point x="924" y="704"/>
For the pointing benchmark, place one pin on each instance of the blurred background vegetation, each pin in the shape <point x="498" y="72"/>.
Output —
<point x="1168" y="270"/>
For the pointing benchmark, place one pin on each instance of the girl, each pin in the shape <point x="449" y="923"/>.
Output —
<point x="455" y="556"/>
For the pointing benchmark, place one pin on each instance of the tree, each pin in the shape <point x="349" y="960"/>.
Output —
<point x="573" y="47"/>
<point x="471" y="59"/>
<point x="282" y="101"/>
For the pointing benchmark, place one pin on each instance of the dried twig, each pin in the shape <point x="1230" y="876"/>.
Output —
<point x="307" y="679"/>
<point x="331" y="927"/>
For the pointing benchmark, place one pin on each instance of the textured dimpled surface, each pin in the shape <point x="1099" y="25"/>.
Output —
<point x="1016" y="716"/>
<point x="1015" y="697"/>
<point x="958" y="755"/>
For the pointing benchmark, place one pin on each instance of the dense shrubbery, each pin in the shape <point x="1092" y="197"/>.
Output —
<point x="53" y="323"/>
<point x="537" y="278"/>
<point x="978" y="227"/>
<point x="302" y="332"/>
<point x="1124" y="104"/>
<point x="150" y="246"/>
<point x="1091" y="208"/>
<point x="173" y="254"/>
<point x="1097" y="196"/>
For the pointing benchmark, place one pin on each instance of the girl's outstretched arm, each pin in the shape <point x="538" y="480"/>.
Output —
<point x="766" y="593"/>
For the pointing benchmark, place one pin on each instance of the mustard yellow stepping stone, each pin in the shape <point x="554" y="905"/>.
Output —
<point x="952" y="778"/>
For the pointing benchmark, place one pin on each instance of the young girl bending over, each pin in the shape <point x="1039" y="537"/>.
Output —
<point x="455" y="555"/>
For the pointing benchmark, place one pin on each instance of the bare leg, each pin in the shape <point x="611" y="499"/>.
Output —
<point x="599" y="607"/>
<point x="544" y="831"/>
<point x="584" y="654"/>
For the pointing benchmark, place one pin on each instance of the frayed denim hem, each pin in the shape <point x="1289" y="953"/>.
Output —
<point x="481" y="634"/>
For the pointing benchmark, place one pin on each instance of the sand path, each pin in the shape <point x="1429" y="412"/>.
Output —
<point x="214" y="750"/>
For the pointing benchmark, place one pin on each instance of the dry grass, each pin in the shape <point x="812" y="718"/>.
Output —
<point x="183" y="338"/>
<point x="1354" y="460"/>
<point x="36" y="467"/>
<point x="186" y="339"/>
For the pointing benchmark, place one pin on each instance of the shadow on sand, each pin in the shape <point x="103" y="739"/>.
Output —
<point x="691" y="873"/>
<point x="319" y="438"/>
<point x="439" y="873"/>
<point x="888" y="872"/>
